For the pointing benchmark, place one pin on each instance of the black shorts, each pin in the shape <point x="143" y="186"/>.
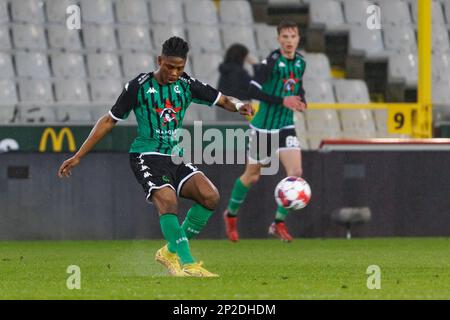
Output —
<point x="263" y="144"/>
<point x="155" y="171"/>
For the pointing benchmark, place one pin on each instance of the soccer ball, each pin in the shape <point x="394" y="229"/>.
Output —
<point x="293" y="193"/>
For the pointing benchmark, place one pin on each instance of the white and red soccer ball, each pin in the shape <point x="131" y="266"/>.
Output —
<point x="293" y="193"/>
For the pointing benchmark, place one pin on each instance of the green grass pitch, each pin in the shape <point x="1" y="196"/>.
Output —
<point x="411" y="268"/>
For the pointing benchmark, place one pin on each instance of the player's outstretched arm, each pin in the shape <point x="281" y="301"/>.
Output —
<point x="232" y="104"/>
<point x="103" y="126"/>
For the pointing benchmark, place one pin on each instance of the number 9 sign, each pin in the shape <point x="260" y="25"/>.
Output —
<point x="399" y="120"/>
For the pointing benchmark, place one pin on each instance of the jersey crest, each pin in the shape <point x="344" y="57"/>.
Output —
<point x="289" y="83"/>
<point x="168" y="113"/>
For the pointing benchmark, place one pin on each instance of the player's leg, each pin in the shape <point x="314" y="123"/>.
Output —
<point x="201" y="190"/>
<point x="238" y="194"/>
<point x="165" y="201"/>
<point x="290" y="156"/>
<point x="193" y="184"/>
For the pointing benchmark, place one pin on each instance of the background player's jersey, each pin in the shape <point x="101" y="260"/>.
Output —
<point x="280" y="77"/>
<point x="160" y="109"/>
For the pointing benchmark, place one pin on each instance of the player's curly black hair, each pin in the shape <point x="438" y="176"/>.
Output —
<point x="175" y="47"/>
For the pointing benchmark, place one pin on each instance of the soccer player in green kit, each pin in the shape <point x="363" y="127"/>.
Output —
<point x="278" y="86"/>
<point x="159" y="100"/>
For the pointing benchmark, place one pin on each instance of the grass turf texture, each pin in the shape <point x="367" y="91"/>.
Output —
<point x="411" y="268"/>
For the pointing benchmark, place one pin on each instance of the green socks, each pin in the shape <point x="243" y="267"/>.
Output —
<point x="196" y="220"/>
<point x="281" y="214"/>
<point x="238" y="195"/>
<point x="175" y="236"/>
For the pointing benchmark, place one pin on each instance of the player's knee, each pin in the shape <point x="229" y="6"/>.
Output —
<point x="165" y="203"/>
<point x="210" y="199"/>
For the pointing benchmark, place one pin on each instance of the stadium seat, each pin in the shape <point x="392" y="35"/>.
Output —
<point x="8" y="93"/>
<point x="103" y="65"/>
<point x="166" y="11"/>
<point x="37" y="114"/>
<point x="207" y="72"/>
<point x="5" y="41"/>
<point x="135" y="37"/>
<point x="32" y="64"/>
<point x="105" y="90"/>
<point x="364" y="40"/>
<point x="441" y="92"/>
<point x="200" y="12"/>
<point x="57" y="10"/>
<point x="198" y="112"/>
<point x="439" y="38"/>
<point x="6" y="66"/>
<point x="358" y="122"/>
<point x="351" y="91"/>
<point x="29" y="36"/>
<point x="401" y="39"/>
<point x="68" y="65"/>
<point x="322" y="124"/>
<point x="97" y="11"/>
<point x="35" y="91"/>
<point x="163" y="32"/>
<point x="29" y="11"/>
<point x="239" y="34"/>
<point x="203" y="39"/>
<point x="135" y="63"/>
<point x="440" y="63"/>
<point x="284" y="2"/>
<point x="300" y="130"/>
<point x="355" y="11"/>
<point x="327" y="13"/>
<point x="236" y="12"/>
<point x="132" y="11"/>
<point x="99" y="37"/>
<point x="74" y="114"/>
<point x="7" y="112"/>
<point x="266" y="37"/>
<point x="394" y="13"/>
<point x="4" y="17"/>
<point x="403" y="67"/>
<point x="381" y="121"/>
<point x="319" y="91"/>
<point x="317" y="66"/>
<point x="71" y="91"/>
<point x="59" y="37"/>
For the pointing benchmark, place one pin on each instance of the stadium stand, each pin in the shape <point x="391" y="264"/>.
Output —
<point x="44" y="64"/>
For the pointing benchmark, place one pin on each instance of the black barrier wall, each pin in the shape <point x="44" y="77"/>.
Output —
<point x="407" y="192"/>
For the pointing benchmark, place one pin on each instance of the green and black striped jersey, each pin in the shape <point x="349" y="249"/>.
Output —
<point x="279" y="77"/>
<point x="160" y="109"/>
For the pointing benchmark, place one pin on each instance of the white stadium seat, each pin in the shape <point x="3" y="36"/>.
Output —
<point x="103" y="65"/>
<point x="29" y="36"/>
<point x="351" y="91"/>
<point x="106" y="90"/>
<point x="60" y="37"/>
<point x="204" y="39"/>
<point x="394" y="13"/>
<point x="135" y="37"/>
<point x="4" y="17"/>
<point x="68" y="65"/>
<point x="317" y="66"/>
<point x="71" y="91"/>
<point x="35" y="91"/>
<point x="239" y="34"/>
<point x="327" y="13"/>
<point x="266" y="37"/>
<point x="97" y="11"/>
<point x="132" y="11"/>
<point x="166" y="11"/>
<point x="32" y="64"/>
<point x="29" y="11"/>
<point x="319" y="91"/>
<point x="37" y="114"/>
<point x="236" y="12"/>
<point x="403" y="67"/>
<point x="8" y="93"/>
<point x="364" y="40"/>
<point x="200" y="12"/>
<point x="355" y="11"/>
<point x="99" y="37"/>
<point x="401" y="39"/>
<point x="135" y="63"/>
<point x="163" y="32"/>
<point x="74" y="114"/>
<point x="57" y="10"/>
<point x="6" y="66"/>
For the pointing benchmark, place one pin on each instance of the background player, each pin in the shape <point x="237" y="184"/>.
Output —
<point x="159" y="100"/>
<point x="278" y="85"/>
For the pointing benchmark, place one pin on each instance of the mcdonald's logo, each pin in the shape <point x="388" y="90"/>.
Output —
<point x="57" y="139"/>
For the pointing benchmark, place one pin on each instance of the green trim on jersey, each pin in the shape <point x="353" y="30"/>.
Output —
<point x="285" y="79"/>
